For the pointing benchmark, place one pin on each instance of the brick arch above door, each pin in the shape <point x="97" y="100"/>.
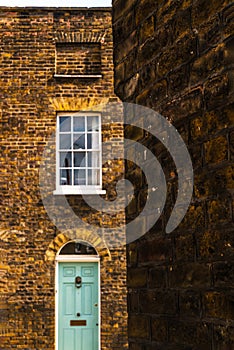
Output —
<point x="61" y="239"/>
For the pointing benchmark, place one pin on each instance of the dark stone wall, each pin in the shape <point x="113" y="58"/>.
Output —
<point x="176" y="57"/>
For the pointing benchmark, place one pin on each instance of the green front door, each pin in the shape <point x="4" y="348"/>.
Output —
<point x="78" y="306"/>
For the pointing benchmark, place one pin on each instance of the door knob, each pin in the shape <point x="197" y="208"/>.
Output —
<point x="78" y="314"/>
<point x="78" y="281"/>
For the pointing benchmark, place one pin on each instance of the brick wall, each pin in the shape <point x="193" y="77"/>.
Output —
<point x="78" y="59"/>
<point x="177" y="58"/>
<point x="31" y="96"/>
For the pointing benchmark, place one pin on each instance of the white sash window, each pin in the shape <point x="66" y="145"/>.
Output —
<point x="78" y="158"/>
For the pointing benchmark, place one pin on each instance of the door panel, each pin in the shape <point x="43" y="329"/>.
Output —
<point x="78" y="306"/>
<point x="69" y="299"/>
<point x="68" y="338"/>
<point x="87" y="336"/>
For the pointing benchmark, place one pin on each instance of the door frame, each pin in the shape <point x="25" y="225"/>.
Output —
<point x="75" y="259"/>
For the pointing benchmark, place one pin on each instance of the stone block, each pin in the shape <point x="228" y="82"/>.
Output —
<point x="121" y="8"/>
<point x="157" y="250"/>
<point x="215" y="245"/>
<point x="159" y="329"/>
<point x="128" y="23"/>
<point x="138" y="327"/>
<point x="187" y="333"/>
<point x="143" y="9"/>
<point x="219" y="211"/>
<point x="182" y="52"/>
<point x="154" y="96"/>
<point x="131" y="209"/>
<point x="147" y="74"/>
<point x="223" y="337"/>
<point x="119" y="73"/>
<point x="169" y="9"/>
<point x="184" y="106"/>
<point x="184" y="247"/>
<point x="181" y="23"/>
<point x="230" y="304"/>
<point x="146" y="29"/>
<point x="210" y="63"/>
<point x="132" y="254"/>
<point x="123" y="49"/>
<point x="135" y="177"/>
<point x="196" y="154"/>
<point x="135" y="346"/>
<point x="137" y="277"/>
<point x="190" y="275"/>
<point x="178" y="80"/>
<point x="214" y="305"/>
<point x="216" y="150"/>
<point x="198" y="129"/>
<point x="227" y="16"/>
<point x="202" y="11"/>
<point x="164" y="36"/>
<point x="157" y="278"/>
<point x="217" y="90"/>
<point x="147" y="51"/>
<point x="190" y="304"/>
<point x="131" y="87"/>
<point x="211" y="123"/>
<point x="194" y="218"/>
<point x="133" y="133"/>
<point x="133" y="301"/>
<point x="130" y="65"/>
<point x="158" y="302"/>
<point x="209" y="184"/>
<point x="209" y="34"/>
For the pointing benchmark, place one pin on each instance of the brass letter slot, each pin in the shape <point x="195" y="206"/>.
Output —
<point x="78" y="323"/>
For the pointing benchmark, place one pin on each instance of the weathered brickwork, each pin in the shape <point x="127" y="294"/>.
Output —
<point x="177" y="58"/>
<point x="72" y="59"/>
<point x="31" y="95"/>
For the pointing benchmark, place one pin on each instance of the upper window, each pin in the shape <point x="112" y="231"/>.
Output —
<point x="78" y="154"/>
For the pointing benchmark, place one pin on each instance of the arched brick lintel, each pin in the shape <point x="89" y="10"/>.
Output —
<point x="80" y="37"/>
<point x="61" y="239"/>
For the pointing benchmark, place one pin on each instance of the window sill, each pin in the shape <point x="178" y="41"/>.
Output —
<point x="83" y="76"/>
<point x="78" y="191"/>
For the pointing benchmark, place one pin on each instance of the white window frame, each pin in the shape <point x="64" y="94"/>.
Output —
<point x="78" y="189"/>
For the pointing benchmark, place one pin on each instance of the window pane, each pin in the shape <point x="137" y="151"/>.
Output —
<point x="93" y="123"/>
<point x="65" y="159"/>
<point x="93" y="141"/>
<point x="79" y="159"/>
<point x="65" y="177"/>
<point x="79" y="141"/>
<point x="93" y="177"/>
<point x="73" y="248"/>
<point x="79" y="124"/>
<point x="79" y="177"/>
<point x="93" y="159"/>
<point x="64" y="124"/>
<point x="65" y="141"/>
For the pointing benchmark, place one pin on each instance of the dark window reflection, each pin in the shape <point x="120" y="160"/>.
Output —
<point x="74" y="248"/>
